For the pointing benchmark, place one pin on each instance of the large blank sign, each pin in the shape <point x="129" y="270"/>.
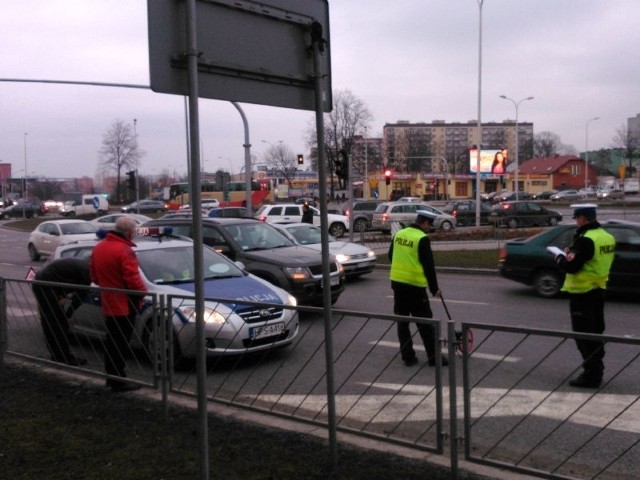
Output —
<point x="252" y="52"/>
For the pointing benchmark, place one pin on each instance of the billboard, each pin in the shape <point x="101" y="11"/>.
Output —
<point x="491" y="161"/>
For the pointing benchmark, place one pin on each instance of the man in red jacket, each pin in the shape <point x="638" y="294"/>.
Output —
<point x="114" y="265"/>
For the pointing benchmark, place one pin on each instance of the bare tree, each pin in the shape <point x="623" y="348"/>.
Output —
<point x="349" y="117"/>
<point x="281" y="159"/>
<point x="119" y="150"/>
<point x="546" y="144"/>
<point x="628" y="142"/>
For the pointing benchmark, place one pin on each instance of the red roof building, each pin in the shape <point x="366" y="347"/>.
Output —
<point x="565" y="172"/>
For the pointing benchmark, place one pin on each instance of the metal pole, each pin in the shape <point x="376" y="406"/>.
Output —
<point x="480" y="2"/>
<point x="196" y="201"/>
<point x="137" y="185"/>
<point x="586" y="151"/>
<point x="247" y="159"/>
<point x="317" y="42"/>
<point x="24" y="187"/>
<point x="517" y="146"/>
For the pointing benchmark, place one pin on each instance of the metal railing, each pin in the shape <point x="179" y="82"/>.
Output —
<point x="516" y="410"/>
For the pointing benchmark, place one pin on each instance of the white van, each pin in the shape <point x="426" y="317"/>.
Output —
<point x="631" y="185"/>
<point x="92" y="204"/>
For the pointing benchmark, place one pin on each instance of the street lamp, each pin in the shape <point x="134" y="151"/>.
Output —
<point x="517" y="104"/>
<point x="586" y="151"/>
<point x="480" y="2"/>
<point x="24" y="190"/>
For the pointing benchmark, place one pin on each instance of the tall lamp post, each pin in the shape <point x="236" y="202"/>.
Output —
<point x="24" y="187"/>
<point x="480" y="2"/>
<point x="517" y="154"/>
<point x="586" y="151"/>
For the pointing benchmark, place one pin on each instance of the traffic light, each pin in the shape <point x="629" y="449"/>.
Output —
<point x="339" y="169"/>
<point x="300" y="159"/>
<point x="131" y="181"/>
<point x="387" y="176"/>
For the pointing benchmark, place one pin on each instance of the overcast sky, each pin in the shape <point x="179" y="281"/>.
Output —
<point x="414" y="60"/>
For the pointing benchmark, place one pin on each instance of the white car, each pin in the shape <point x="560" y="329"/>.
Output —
<point x="356" y="259"/>
<point x="108" y="222"/>
<point x="292" y="213"/>
<point x="52" y="234"/>
<point x="167" y="268"/>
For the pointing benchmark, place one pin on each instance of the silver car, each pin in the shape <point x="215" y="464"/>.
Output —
<point x="404" y="213"/>
<point x="355" y="258"/>
<point x="231" y="328"/>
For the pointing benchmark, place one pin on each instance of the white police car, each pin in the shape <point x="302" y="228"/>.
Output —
<point x="231" y="327"/>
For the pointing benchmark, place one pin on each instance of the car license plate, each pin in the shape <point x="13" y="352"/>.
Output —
<point x="266" y="331"/>
<point x="333" y="281"/>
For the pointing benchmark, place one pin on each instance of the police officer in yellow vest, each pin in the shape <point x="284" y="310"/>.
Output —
<point x="587" y="263"/>
<point x="412" y="272"/>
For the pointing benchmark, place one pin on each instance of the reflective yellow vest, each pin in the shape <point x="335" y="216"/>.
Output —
<point x="595" y="272"/>
<point x="405" y="264"/>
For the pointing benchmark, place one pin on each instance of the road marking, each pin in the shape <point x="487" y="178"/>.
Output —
<point x="477" y="356"/>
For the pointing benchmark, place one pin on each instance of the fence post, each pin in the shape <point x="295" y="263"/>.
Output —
<point x="3" y="321"/>
<point x="453" y="400"/>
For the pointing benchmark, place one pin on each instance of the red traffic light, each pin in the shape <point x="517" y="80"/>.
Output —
<point x="387" y="176"/>
<point x="387" y="173"/>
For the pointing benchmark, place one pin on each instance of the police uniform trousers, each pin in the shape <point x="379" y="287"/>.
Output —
<point x="54" y="323"/>
<point x="413" y="301"/>
<point x="587" y="316"/>
<point x="119" y="331"/>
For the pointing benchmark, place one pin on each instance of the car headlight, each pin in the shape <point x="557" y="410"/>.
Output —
<point x="291" y="300"/>
<point x="371" y="253"/>
<point x="341" y="257"/>
<point x="187" y="314"/>
<point x="297" y="273"/>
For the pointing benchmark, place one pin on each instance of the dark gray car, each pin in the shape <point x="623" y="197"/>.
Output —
<point x="267" y="253"/>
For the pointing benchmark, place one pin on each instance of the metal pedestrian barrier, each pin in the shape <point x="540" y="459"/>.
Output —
<point x="502" y="402"/>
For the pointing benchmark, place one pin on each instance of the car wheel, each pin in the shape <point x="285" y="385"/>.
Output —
<point x="33" y="253"/>
<point x="71" y="214"/>
<point x="6" y="216"/>
<point x="35" y="215"/>
<point x="360" y="225"/>
<point x="547" y="283"/>
<point x="512" y="223"/>
<point x="337" y="230"/>
<point x="446" y="226"/>
<point x="553" y="221"/>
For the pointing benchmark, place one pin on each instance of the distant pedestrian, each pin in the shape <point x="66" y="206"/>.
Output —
<point x="307" y="214"/>
<point x="412" y="272"/>
<point x="114" y="265"/>
<point x="587" y="263"/>
<point x="57" y="304"/>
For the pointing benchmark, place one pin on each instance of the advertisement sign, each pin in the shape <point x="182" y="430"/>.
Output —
<point x="491" y="161"/>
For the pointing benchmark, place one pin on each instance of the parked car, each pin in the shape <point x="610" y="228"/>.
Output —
<point x="511" y="196"/>
<point x="610" y="194"/>
<point x="404" y="213"/>
<point x="145" y="206"/>
<point x="355" y="258"/>
<point x="362" y="213"/>
<point x="527" y="260"/>
<point x="52" y="234"/>
<point x="23" y="209"/>
<point x="108" y="222"/>
<point x="523" y="214"/>
<point x="543" y="195"/>
<point x="267" y="253"/>
<point x="588" y="192"/>
<point x="464" y="212"/>
<point x="231" y="212"/>
<point x="167" y="268"/>
<point x="292" y="213"/>
<point x="565" y="195"/>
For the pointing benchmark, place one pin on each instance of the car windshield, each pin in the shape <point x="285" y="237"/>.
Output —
<point x="307" y="235"/>
<point x="175" y="265"/>
<point x="257" y="236"/>
<point x="77" y="228"/>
